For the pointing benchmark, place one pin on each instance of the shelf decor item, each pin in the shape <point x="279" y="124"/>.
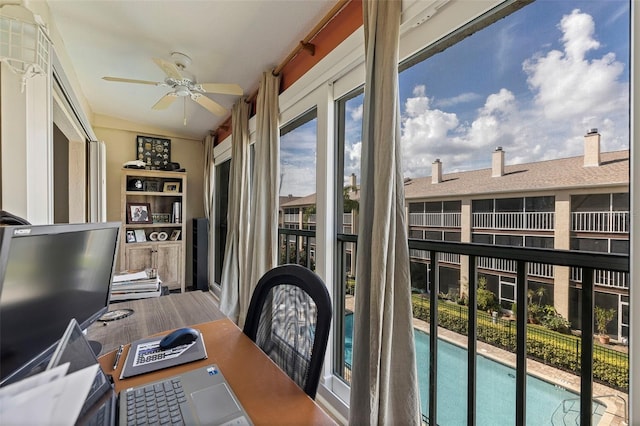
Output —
<point x="161" y="217"/>
<point x="154" y="152"/>
<point x="151" y="185"/>
<point x="171" y="187"/>
<point x="139" y="213"/>
<point x="177" y="212"/>
<point x="141" y="237"/>
<point x="131" y="236"/>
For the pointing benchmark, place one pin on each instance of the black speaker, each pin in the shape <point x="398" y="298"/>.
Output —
<point x="200" y="253"/>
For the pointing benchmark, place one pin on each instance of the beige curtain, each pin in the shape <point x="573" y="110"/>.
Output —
<point x="263" y="231"/>
<point x="208" y="185"/>
<point x="235" y="253"/>
<point x="384" y="386"/>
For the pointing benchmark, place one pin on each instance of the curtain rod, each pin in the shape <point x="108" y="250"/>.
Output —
<point x="303" y="45"/>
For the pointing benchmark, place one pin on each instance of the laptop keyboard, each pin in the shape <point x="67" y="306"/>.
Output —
<point x="157" y="403"/>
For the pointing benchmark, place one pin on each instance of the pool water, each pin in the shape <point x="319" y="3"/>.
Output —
<point x="547" y="404"/>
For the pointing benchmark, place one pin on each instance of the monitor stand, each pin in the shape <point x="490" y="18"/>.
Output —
<point x="95" y="346"/>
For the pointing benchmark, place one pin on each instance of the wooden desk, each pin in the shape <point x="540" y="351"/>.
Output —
<point x="268" y="395"/>
<point x="153" y="316"/>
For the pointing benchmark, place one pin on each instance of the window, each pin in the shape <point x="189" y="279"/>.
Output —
<point x="349" y="141"/>
<point x="298" y="147"/>
<point x="222" y="203"/>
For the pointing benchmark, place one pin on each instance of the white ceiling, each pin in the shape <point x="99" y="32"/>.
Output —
<point x="229" y="41"/>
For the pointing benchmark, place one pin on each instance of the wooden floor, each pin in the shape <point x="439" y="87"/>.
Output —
<point x="153" y="316"/>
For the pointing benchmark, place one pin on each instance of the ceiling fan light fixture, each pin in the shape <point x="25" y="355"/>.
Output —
<point x="182" y="91"/>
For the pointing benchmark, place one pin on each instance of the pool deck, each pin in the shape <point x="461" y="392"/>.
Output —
<point x="615" y="401"/>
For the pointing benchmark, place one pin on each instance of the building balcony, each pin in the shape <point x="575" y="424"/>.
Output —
<point x="291" y="218"/>
<point x="529" y="221"/>
<point x="604" y="278"/>
<point x="436" y="220"/>
<point x="610" y="222"/>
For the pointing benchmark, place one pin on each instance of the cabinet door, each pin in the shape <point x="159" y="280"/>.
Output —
<point x="169" y="263"/>
<point x="139" y="257"/>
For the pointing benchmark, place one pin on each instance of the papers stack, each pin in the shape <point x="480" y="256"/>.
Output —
<point x="51" y="397"/>
<point x="136" y="285"/>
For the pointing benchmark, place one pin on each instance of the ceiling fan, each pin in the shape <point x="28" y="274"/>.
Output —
<point x="184" y="85"/>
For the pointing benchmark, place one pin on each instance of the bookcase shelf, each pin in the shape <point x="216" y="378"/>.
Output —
<point x="152" y="212"/>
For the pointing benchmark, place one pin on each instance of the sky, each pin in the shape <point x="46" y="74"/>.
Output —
<point x="533" y="83"/>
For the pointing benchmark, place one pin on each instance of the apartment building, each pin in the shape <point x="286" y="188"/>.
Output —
<point x="578" y="203"/>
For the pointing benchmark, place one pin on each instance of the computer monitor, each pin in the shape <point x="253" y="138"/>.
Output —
<point x="48" y="275"/>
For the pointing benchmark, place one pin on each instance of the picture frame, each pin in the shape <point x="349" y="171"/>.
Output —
<point x="171" y="186"/>
<point x="154" y="152"/>
<point x="131" y="236"/>
<point x="175" y="234"/>
<point x="139" y="213"/>
<point x="141" y="237"/>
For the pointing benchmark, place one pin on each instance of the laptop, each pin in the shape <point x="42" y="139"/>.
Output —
<point x="198" y="397"/>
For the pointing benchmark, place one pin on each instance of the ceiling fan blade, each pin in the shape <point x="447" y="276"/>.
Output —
<point x="165" y="101"/>
<point x="129" y="80"/>
<point x="225" y="89"/>
<point x="169" y="69"/>
<point x="212" y="106"/>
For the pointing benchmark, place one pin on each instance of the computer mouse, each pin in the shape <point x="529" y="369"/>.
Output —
<point x="181" y="336"/>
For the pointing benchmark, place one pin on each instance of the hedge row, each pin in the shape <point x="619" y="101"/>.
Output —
<point x="559" y="350"/>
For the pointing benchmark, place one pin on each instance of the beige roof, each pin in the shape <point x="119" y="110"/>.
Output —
<point x="564" y="173"/>
<point x="309" y="200"/>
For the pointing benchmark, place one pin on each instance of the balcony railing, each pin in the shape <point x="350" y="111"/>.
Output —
<point x="296" y="246"/>
<point x="423" y="255"/>
<point x="533" y="221"/>
<point x="542" y="270"/>
<point x="585" y="351"/>
<point x="604" y="278"/>
<point x="613" y="222"/>
<point x="440" y="220"/>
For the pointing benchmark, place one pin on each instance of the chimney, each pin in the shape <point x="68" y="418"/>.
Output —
<point x="436" y="171"/>
<point x="592" y="148"/>
<point x="497" y="162"/>
<point x="353" y="185"/>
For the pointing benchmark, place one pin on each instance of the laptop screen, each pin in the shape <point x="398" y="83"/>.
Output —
<point x="74" y="348"/>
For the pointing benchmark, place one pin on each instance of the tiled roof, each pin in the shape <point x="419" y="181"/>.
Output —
<point x="564" y="173"/>
<point x="309" y="200"/>
<point x="286" y="199"/>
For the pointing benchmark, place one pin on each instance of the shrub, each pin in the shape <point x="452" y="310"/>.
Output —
<point x="485" y="299"/>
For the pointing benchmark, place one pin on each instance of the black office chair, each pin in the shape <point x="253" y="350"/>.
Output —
<point x="289" y="318"/>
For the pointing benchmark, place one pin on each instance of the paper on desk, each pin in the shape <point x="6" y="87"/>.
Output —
<point x="56" y="401"/>
<point x="9" y="391"/>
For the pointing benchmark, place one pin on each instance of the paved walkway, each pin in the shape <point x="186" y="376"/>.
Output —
<point x="615" y="401"/>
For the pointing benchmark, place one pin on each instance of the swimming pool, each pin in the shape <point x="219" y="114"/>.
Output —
<point x="495" y="391"/>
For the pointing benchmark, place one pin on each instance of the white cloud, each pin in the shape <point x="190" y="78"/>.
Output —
<point x="567" y="85"/>
<point x="356" y="113"/>
<point x="456" y="100"/>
